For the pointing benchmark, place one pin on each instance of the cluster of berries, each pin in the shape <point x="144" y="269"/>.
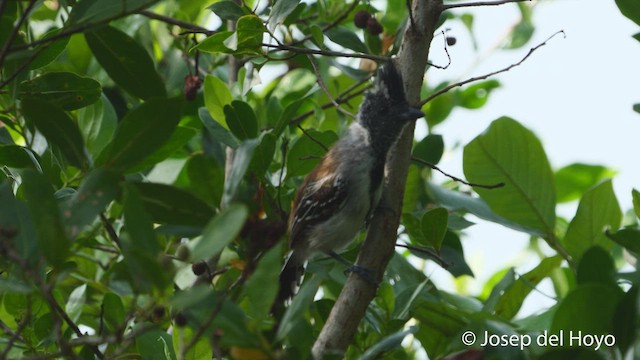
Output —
<point x="364" y="20"/>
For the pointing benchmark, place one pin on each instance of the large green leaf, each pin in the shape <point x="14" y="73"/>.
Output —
<point x="260" y="290"/>
<point x="171" y="205"/>
<point x="510" y="301"/>
<point x="241" y="161"/>
<point x="141" y="132"/>
<point x="97" y="124"/>
<point x="216" y="97"/>
<point x="206" y="179"/>
<point x="14" y="215"/>
<point x="635" y="194"/>
<point x="219" y="232"/>
<point x="241" y="120"/>
<point x="598" y="210"/>
<point x="45" y="215"/>
<point x="66" y="90"/>
<point x="573" y="180"/>
<point x="58" y="128"/>
<point x="17" y="157"/>
<point x="434" y="226"/>
<point x="97" y="190"/>
<point x="126" y="62"/>
<point x="280" y="11"/>
<point x="95" y="11"/>
<point x="347" y="38"/>
<point x="588" y="308"/>
<point x="227" y="10"/>
<point x="630" y="9"/>
<point x="509" y="153"/>
<point x="305" y="153"/>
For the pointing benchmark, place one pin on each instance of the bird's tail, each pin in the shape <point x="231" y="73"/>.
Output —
<point x="290" y="278"/>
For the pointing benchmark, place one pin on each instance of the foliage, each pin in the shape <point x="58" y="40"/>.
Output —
<point x="146" y="183"/>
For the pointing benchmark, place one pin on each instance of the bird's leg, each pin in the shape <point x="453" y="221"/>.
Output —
<point x="365" y="274"/>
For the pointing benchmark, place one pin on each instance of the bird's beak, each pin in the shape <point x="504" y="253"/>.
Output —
<point x="412" y="114"/>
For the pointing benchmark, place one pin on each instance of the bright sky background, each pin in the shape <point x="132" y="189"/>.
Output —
<point x="576" y="94"/>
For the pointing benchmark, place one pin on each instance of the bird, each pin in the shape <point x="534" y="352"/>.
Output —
<point x="339" y="196"/>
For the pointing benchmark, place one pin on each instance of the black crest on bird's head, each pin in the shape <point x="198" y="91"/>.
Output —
<point x="385" y="110"/>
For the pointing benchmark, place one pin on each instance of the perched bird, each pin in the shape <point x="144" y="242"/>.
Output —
<point x="340" y="194"/>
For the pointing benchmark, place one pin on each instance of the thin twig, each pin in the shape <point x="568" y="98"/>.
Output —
<point x="172" y="21"/>
<point x="485" y="76"/>
<point x="323" y="86"/>
<point x="479" y="3"/>
<point x="110" y="230"/>
<point x="454" y="178"/>
<point x="446" y="51"/>
<point x="306" y="133"/>
<point x="331" y="25"/>
<point x="300" y="50"/>
<point x="339" y="100"/>
<point x="14" y="31"/>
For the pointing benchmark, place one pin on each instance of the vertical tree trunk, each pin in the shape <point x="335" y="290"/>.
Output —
<point x="379" y="246"/>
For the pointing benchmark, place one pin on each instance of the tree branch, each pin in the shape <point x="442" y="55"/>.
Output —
<point x="454" y="178"/>
<point x="488" y="75"/>
<point x="479" y="3"/>
<point x="379" y="246"/>
<point x="180" y="23"/>
<point x="300" y="50"/>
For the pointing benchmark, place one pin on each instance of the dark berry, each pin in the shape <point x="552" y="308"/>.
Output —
<point x="361" y="18"/>
<point x="199" y="268"/>
<point x="451" y="40"/>
<point x="180" y="320"/>
<point x="158" y="312"/>
<point x="192" y="84"/>
<point x="374" y="27"/>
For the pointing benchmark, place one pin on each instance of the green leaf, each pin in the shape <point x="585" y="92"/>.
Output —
<point x="249" y="32"/>
<point x="458" y="201"/>
<point x="452" y="254"/>
<point x="58" y="128"/>
<point x="629" y="238"/>
<point x="216" y="130"/>
<point x="141" y="132"/>
<point x="635" y="194"/>
<point x="15" y="215"/>
<point x="47" y="53"/>
<point x="636" y="107"/>
<point x="139" y="245"/>
<point x="439" y="108"/>
<point x="305" y="153"/>
<point x="100" y="10"/>
<point x="508" y="152"/>
<point x="624" y="325"/>
<point x="429" y="149"/>
<point x="511" y="300"/>
<point x="17" y="157"/>
<point x="216" y="97"/>
<point x="241" y="161"/>
<point x="227" y="10"/>
<point x="75" y="302"/>
<point x="263" y="155"/>
<point x="153" y="343"/>
<point x="523" y="31"/>
<point x="97" y="191"/>
<point x="630" y="9"/>
<point x="126" y="62"/>
<point x="573" y="180"/>
<point x="588" y="308"/>
<point x="43" y="207"/>
<point x="596" y="266"/>
<point x="475" y="96"/>
<point x="216" y="43"/>
<point x="97" y="124"/>
<point x="172" y="147"/>
<point x="439" y="322"/>
<point x="171" y="205"/>
<point x="241" y="120"/>
<point x="280" y="11"/>
<point x="434" y="226"/>
<point x="219" y="232"/>
<point x="299" y="304"/>
<point x="346" y="38"/>
<point x="598" y="210"/>
<point x="388" y="343"/>
<point x="206" y="179"/>
<point x="261" y="288"/>
<point x="114" y="312"/>
<point x="66" y="90"/>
